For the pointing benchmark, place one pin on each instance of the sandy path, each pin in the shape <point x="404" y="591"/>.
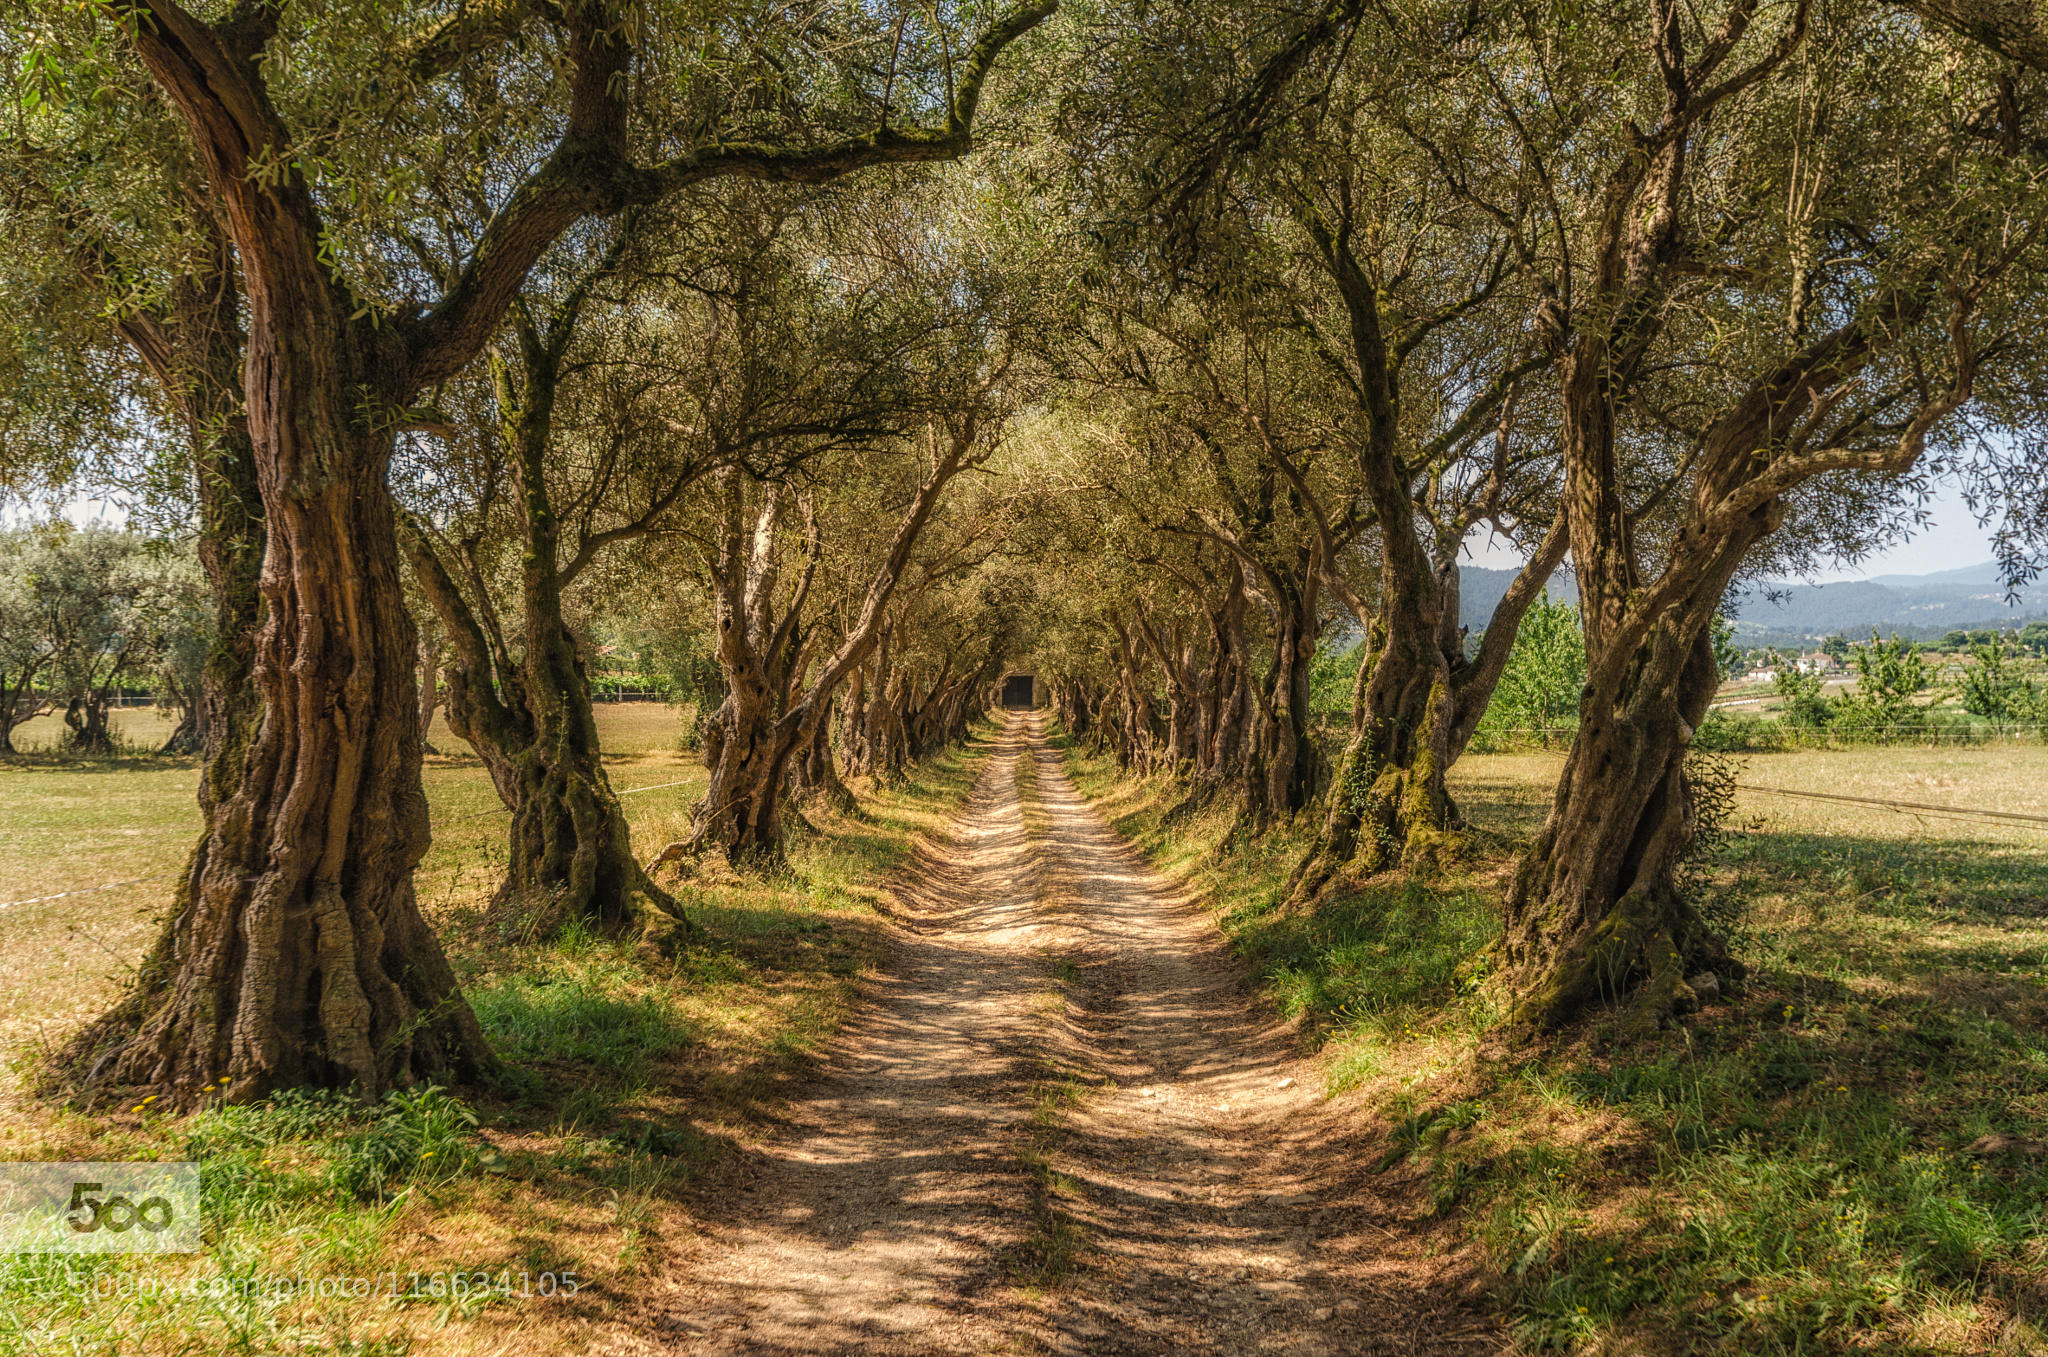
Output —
<point x="1221" y="1204"/>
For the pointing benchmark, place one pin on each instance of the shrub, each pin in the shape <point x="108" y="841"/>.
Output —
<point x="1539" y="689"/>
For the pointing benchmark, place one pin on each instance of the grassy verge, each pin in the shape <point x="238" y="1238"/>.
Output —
<point x="1848" y="1156"/>
<point x="529" y="1216"/>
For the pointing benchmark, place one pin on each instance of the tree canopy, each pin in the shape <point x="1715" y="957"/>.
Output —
<point x="854" y="357"/>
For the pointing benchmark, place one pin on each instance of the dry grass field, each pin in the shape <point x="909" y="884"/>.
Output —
<point x="69" y="825"/>
<point x="1848" y="1153"/>
<point x="617" y="1087"/>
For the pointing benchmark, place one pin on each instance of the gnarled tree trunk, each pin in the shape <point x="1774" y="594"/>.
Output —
<point x="763" y="726"/>
<point x="530" y="717"/>
<point x="298" y="954"/>
<point x="1283" y="768"/>
<point x="86" y="718"/>
<point x="1417" y="703"/>
<point x="817" y="771"/>
<point x="1593" y="912"/>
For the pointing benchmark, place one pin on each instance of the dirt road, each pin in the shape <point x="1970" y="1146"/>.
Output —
<point x="1061" y="1126"/>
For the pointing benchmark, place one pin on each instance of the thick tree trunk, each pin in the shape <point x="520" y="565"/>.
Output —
<point x="1229" y="705"/>
<point x="1178" y="665"/>
<point x="764" y="724"/>
<point x="1284" y="769"/>
<point x="1593" y="912"/>
<point x="86" y="718"/>
<point x="298" y="955"/>
<point x="185" y="736"/>
<point x="571" y="853"/>
<point x="817" y="770"/>
<point x="17" y="704"/>
<point x="1417" y="703"/>
<point x="1136" y="720"/>
<point x="1073" y="701"/>
<point x="888" y="754"/>
<point x="741" y="813"/>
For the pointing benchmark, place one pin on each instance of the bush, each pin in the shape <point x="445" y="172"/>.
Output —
<point x="1993" y="688"/>
<point x="1805" y="706"/>
<point x="1539" y="690"/>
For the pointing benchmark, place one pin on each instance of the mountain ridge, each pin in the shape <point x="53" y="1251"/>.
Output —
<point x="1917" y="607"/>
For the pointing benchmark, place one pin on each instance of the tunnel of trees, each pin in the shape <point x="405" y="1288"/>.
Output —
<point x="1151" y="364"/>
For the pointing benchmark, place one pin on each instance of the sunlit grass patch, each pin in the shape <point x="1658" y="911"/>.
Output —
<point x="588" y="1015"/>
<point x="1844" y="1155"/>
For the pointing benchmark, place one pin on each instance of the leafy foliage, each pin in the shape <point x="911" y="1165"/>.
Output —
<point x="1890" y="676"/>
<point x="1539" y="690"/>
<point x="1993" y="685"/>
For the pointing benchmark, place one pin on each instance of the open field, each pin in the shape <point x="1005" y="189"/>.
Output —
<point x="1845" y="1155"/>
<point x="68" y="825"/>
<point x="618" y="1085"/>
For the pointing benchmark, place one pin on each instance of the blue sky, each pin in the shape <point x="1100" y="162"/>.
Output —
<point x="1952" y="540"/>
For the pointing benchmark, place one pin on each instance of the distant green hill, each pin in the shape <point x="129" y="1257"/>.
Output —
<point x="1919" y="607"/>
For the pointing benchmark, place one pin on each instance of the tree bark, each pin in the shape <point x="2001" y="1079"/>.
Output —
<point x="817" y="772"/>
<point x="1593" y="911"/>
<point x="297" y="954"/>
<point x="530" y="717"/>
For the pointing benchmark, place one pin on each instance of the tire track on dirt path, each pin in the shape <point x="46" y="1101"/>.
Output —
<point x="1222" y="1205"/>
<point x="1229" y="1207"/>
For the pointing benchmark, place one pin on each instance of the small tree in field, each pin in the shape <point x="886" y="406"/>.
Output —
<point x="26" y="650"/>
<point x="1803" y="705"/>
<point x="106" y="610"/>
<point x="1539" y="689"/>
<point x="1890" y="674"/>
<point x="1993" y="687"/>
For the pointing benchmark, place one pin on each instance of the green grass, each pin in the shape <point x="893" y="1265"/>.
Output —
<point x="618" y="1084"/>
<point x="593" y="1017"/>
<point x="1791" y="1171"/>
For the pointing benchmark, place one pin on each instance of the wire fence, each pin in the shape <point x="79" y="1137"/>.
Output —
<point x="432" y="824"/>
<point x="1915" y="808"/>
<point x="1743" y="735"/>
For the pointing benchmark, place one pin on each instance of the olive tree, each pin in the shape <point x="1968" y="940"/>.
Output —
<point x="1723" y="363"/>
<point x="302" y="956"/>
